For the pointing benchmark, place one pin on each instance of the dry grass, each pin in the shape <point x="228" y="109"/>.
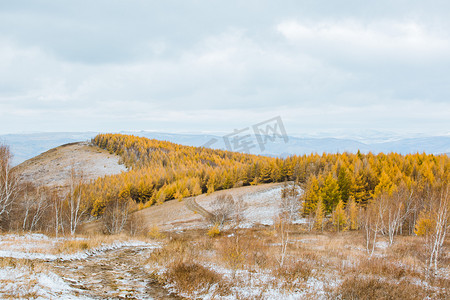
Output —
<point x="247" y="257"/>
<point x="293" y="276"/>
<point x="23" y="284"/>
<point x="408" y="250"/>
<point x="155" y="232"/>
<point x="247" y="248"/>
<point x="386" y="268"/>
<point x="214" y="231"/>
<point x="194" y="279"/>
<point x="66" y="245"/>
<point x="83" y="243"/>
<point x="176" y="249"/>
<point x="335" y="259"/>
<point x="73" y="246"/>
<point x="374" y="288"/>
<point x="8" y="262"/>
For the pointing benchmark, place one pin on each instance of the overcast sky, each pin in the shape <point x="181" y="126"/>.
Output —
<point x="212" y="66"/>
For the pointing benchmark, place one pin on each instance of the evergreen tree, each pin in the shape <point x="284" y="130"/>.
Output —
<point x="360" y="189"/>
<point x="265" y="174"/>
<point x="345" y="184"/>
<point x="352" y="213"/>
<point x="330" y="193"/>
<point x="339" y="218"/>
<point x="385" y="185"/>
<point x="311" y="195"/>
<point x="319" y="215"/>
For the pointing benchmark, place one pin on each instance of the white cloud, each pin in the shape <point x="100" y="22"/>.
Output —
<point x="403" y="41"/>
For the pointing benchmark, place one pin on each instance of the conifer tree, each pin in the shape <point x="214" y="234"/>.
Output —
<point x="352" y="213"/>
<point x="385" y="185"/>
<point x="360" y="189"/>
<point x="319" y="215"/>
<point x="339" y="218"/>
<point x="265" y="174"/>
<point x="345" y="184"/>
<point x="330" y="193"/>
<point x="311" y="195"/>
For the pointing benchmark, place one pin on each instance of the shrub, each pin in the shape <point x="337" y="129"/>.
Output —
<point x="222" y="208"/>
<point x="155" y="233"/>
<point x="214" y="231"/>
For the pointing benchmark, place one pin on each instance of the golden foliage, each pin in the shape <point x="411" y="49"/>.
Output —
<point x="161" y="171"/>
<point x="214" y="230"/>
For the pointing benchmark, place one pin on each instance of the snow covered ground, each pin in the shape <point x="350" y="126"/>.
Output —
<point x="262" y="200"/>
<point x="28" y="265"/>
<point x="41" y="247"/>
<point x="262" y="203"/>
<point x="25" y="282"/>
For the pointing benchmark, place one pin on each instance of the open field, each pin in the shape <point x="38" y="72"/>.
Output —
<point x="236" y="264"/>
<point x="318" y="266"/>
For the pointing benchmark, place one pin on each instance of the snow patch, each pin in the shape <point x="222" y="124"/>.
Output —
<point x="22" y="282"/>
<point x="22" y="246"/>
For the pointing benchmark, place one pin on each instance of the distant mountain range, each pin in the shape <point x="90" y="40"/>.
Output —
<point x="25" y="146"/>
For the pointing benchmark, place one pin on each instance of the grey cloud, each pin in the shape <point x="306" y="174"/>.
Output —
<point x="215" y="65"/>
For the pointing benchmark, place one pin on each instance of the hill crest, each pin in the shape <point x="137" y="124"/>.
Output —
<point x="53" y="167"/>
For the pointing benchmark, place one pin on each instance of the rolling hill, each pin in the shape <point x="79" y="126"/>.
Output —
<point x="53" y="167"/>
<point x="26" y="146"/>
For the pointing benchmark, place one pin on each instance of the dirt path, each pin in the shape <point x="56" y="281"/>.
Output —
<point x="192" y="205"/>
<point x="113" y="274"/>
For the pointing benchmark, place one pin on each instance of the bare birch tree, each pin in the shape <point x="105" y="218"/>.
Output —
<point x="393" y="210"/>
<point x="288" y="211"/>
<point x="40" y="207"/>
<point x="9" y="183"/>
<point x="434" y="224"/>
<point x="442" y="218"/>
<point x="74" y="201"/>
<point x="58" y="210"/>
<point x="26" y="205"/>
<point x="372" y="224"/>
<point x="116" y="215"/>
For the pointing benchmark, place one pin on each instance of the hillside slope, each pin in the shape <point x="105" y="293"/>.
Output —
<point x="262" y="203"/>
<point x="262" y="206"/>
<point x="53" y="168"/>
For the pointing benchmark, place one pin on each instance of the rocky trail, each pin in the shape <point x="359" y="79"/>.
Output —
<point x="113" y="274"/>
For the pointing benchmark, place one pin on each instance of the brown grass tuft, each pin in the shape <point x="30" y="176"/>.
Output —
<point x="293" y="276"/>
<point x="382" y="267"/>
<point x="73" y="246"/>
<point x="177" y="249"/>
<point x="372" y="288"/>
<point x="194" y="279"/>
